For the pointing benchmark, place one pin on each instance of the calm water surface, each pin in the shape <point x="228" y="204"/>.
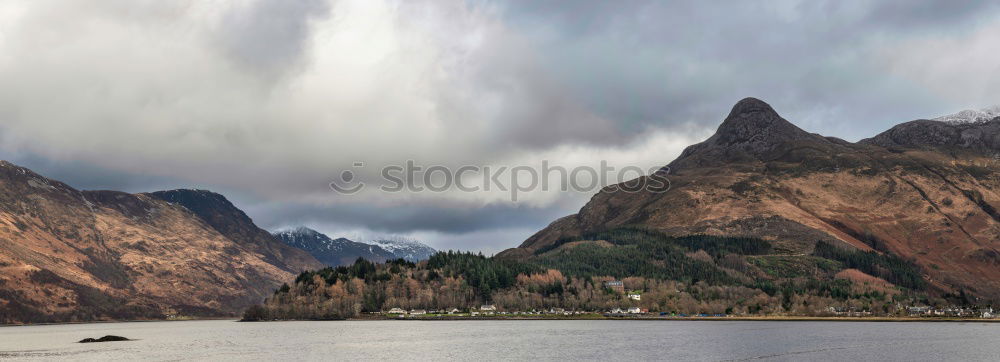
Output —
<point x="508" y="340"/>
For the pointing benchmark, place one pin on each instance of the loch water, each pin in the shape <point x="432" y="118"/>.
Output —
<point x="487" y="340"/>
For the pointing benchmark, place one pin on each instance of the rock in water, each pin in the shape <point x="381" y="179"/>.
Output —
<point x="108" y="338"/>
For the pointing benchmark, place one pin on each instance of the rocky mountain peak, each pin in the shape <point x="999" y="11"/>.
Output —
<point x="405" y="248"/>
<point x="299" y="230"/>
<point x="972" y="116"/>
<point x="754" y="123"/>
<point x="750" y="105"/>
<point x="969" y="131"/>
<point x="329" y="251"/>
<point x="214" y="208"/>
<point x="303" y="237"/>
<point x="751" y="130"/>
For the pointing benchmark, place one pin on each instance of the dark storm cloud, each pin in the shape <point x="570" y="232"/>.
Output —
<point x="270" y="36"/>
<point x="926" y="15"/>
<point x="654" y="62"/>
<point x="450" y="219"/>
<point x="85" y="176"/>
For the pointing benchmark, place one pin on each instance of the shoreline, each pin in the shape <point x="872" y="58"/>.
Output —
<point x="698" y="319"/>
<point x="559" y="318"/>
<point x="231" y="318"/>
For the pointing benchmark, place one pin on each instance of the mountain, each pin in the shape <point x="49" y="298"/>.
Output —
<point x="922" y="193"/>
<point x="971" y="116"/>
<point x="332" y="252"/>
<point x="408" y="249"/>
<point x="753" y="132"/>
<point x="974" y="131"/>
<point x="233" y="223"/>
<point x="71" y="255"/>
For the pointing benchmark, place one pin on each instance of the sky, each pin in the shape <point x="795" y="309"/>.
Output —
<point x="268" y="101"/>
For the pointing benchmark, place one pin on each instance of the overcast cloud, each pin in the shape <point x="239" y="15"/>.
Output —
<point x="268" y="101"/>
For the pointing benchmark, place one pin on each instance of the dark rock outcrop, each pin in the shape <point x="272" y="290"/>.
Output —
<point x="753" y="131"/>
<point x="108" y="338"/>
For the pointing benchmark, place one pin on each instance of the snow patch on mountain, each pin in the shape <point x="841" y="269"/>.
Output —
<point x="971" y="116"/>
<point x="332" y="252"/>
<point x="405" y="248"/>
<point x="343" y="251"/>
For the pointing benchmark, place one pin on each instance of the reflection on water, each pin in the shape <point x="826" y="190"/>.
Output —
<point x="519" y="340"/>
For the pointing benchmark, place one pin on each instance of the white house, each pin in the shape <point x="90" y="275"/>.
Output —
<point x="634" y="296"/>
<point x="396" y="311"/>
<point x="488" y="308"/>
<point x="920" y="310"/>
<point x="454" y="311"/>
<point x="635" y="310"/>
<point x="418" y="312"/>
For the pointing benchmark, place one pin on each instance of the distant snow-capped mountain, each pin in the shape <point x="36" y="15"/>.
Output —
<point x="343" y="251"/>
<point x="972" y="116"/>
<point x="408" y="249"/>
<point x="332" y="252"/>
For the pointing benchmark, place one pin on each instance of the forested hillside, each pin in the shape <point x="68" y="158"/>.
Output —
<point x="682" y="275"/>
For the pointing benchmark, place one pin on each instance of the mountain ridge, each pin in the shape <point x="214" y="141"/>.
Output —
<point x="408" y="249"/>
<point x="329" y="251"/>
<point x="343" y="251"/>
<point x="228" y="220"/>
<point x="980" y="136"/>
<point x="971" y="116"/>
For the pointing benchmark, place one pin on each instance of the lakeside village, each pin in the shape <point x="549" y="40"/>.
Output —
<point x="490" y="310"/>
<point x="494" y="311"/>
<point x="467" y="286"/>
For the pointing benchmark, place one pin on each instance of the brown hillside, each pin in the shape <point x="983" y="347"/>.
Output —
<point x="69" y="255"/>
